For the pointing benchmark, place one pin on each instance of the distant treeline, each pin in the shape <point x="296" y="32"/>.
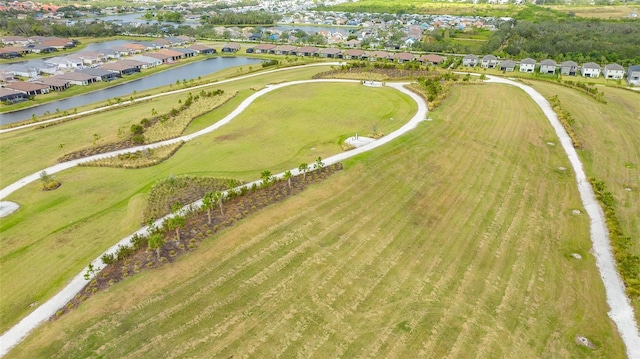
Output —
<point x="580" y="40"/>
<point x="246" y="18"/>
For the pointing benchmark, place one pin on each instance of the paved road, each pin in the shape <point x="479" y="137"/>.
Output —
<point x="18" y="332"/>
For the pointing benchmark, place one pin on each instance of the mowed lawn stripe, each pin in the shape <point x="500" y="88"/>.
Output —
<point x="457" y="236"/>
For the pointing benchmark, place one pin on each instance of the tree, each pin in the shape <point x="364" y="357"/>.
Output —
<point x="207" y="203"/>
<point x="219" y="198"/>
<point x="175" y="223"/>
<point x="304" y="168"/>
<point x="266" y="178"/>
<point x="91" y="272"/>
<point x="155" y="243"/>
<point x="61" y="147"/>
<point x="287" y="176"/>
<point x="48" y="181"/>
<point x="318" y="164"/>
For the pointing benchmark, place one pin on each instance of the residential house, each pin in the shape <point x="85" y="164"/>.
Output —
<point x="28" y="88"/>
<point x="374" y="56"/>
<point x="58" y="43"/>
<point x="430" y="59"/>
<point x="124" y="67"/>
<point x="12" y="51"/>
<point x="148" y="62"/>
<point x="22" y="70"/>
<point x="470" y="60"/>
<point x="89" y="58"/>
<point x="590" y="69"/>
<point x="77" y="78"/>
<point x="489" y="61"/>
<point x="136" y="48"/>
<point x="158" y="56"/>
<point x="330" y="52"/>
<point x="65" y="62"/>
<point x="205" y="50"/>
<point x="263" y="48"/>
<point x="528" y="65"/>
<point x="124" y="51"/>
<point x="508" y="66"/>
<point x="353" y="54"/>
<point x="14" y="40"/>
<point x="633" y="75"/>
<point x="42" y="67"/>
<point x="101" y="74"/>
<point x="548" y="67"/>
<point x="285" y="50"/>
<point x="403" y="57"/>
<point x="613" y="72"/>
<point x="173" y="55"/>
<point x="353" y="43"/>
<point x="185" y="52"/>
<point x="11" y="96"/>
<point x="42" y="49"/>
<point x="231" y="47"/>
<point x="569" y="68"/>
<point x="55" y="84"/>
<point x="307" y="51"/>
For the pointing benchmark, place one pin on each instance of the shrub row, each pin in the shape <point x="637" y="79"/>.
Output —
<point x="138" y="159"/>
<point x="566" y="120"/>
<point x="628" y="263"/>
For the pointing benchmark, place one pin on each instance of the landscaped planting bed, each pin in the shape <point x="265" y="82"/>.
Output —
<point x="197" y="226"/>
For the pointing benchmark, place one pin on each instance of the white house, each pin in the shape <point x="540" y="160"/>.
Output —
<point x="470" y="60"/>
<point x="590" y="69"/>
<point x="613" y="72"/>
<point x="528" y="65"/>
<point x="633" y="75"/>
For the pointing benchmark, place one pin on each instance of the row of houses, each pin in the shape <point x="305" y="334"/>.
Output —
<point x="551" y="67"/>
<point x="15" y="91"/>
<point x="17" y="46"/>
<point x="336" y="53"/>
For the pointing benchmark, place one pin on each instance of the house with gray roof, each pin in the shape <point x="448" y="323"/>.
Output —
<point x="489" y="62"/>
<point x="633" y="75"/>
<point x="528" y="65"/>
<point x="613" y="72"/>
<point x="548" y="67"/>
<point x="148" y="61"/>
<point x="569" y="68"/>
<point x="12" y="96"/>
<point x="590" y="69"/>
<point x="77" y="78"/>
<point x="101" y="74"/>
<point x="508" y="65"/>
<point x="470" y="60"/>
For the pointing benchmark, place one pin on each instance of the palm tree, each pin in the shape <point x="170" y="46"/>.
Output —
<point x="266" y="178"/>
<point x="318" y="164"/>
<point x="303" y="168"/>
<point x="175" y="223"/>
<point x="219" y="197"/>
<point x="207" y="203"/>
<point x="287" y="176"/>
<point x="155" y="243"/>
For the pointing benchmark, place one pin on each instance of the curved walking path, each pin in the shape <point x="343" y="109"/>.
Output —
<point x="621" y="311"/>
<point x="19" y="331"/>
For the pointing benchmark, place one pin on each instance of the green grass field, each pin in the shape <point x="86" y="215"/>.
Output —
<point x="453" y="241"/>
<point x="609" y="133"/>
<point x="56" y="234"/>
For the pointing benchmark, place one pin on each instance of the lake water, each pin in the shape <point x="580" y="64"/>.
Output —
<point x="189" y="71"/>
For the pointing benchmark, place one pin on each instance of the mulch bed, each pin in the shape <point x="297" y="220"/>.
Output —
<point x="196" y="230"/>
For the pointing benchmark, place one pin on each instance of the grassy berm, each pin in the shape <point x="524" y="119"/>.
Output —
<point x="454" y="241"/>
